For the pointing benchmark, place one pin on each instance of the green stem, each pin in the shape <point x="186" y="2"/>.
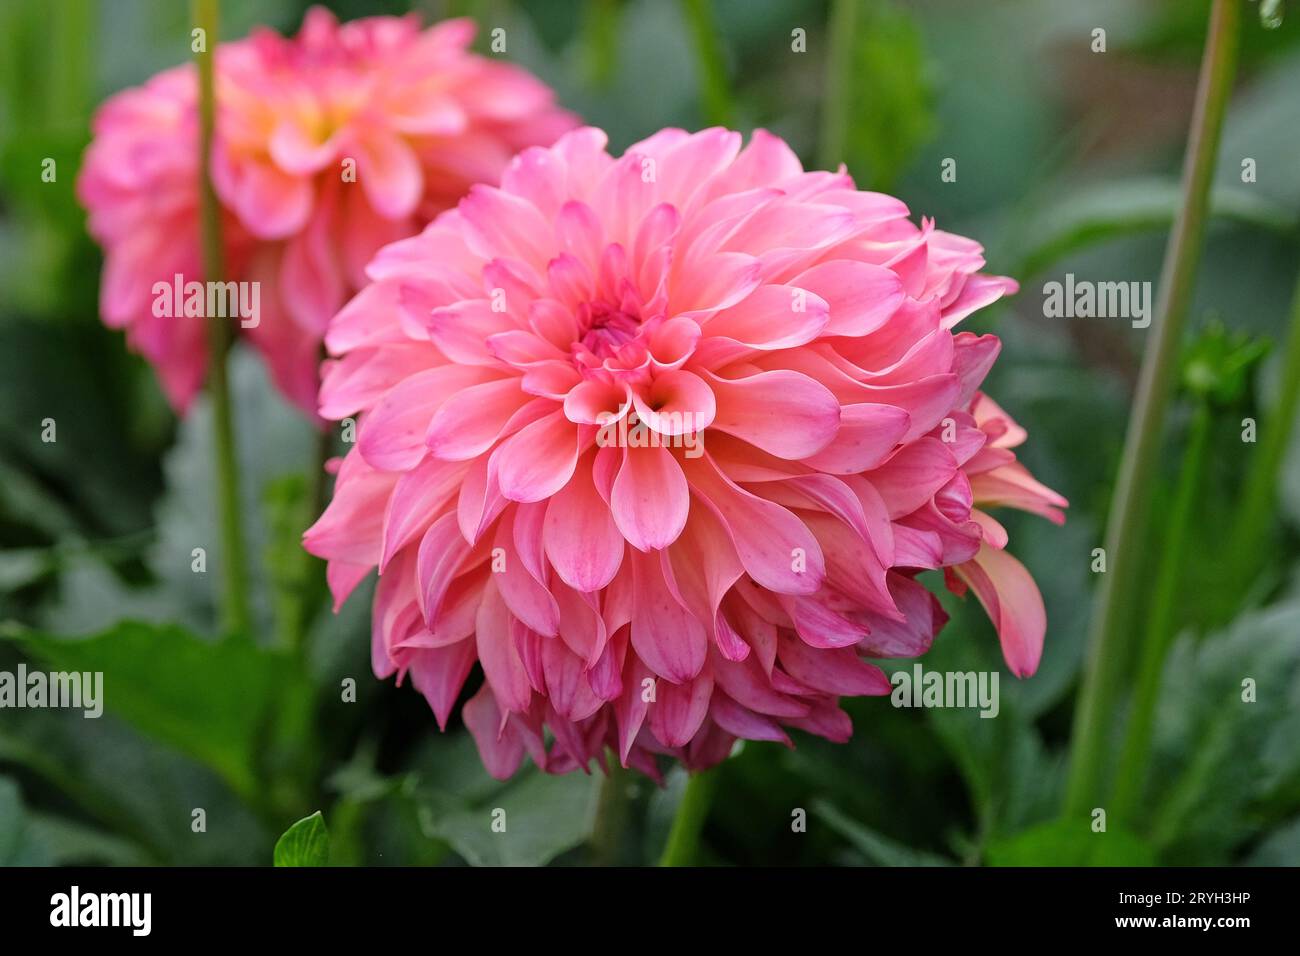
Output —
<point x="310" y="581"/>
<point x="611" y="816"/>
<point x="600" y="40"/>
<point x="842" y="29"/>
<point x="1259" y="494"/>
<point x="711" y="63"/>
<point x="235" y="614"/>
<point x="688" y="824"/>
<point x="1107" y="657"/>
<point x="1131" y="778"/>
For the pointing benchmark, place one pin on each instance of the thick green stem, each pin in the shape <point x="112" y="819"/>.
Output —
<point x="1134" y="757"/>
<point x="1107" y="653"/>
<point x="1259" y="494"/>
<point x="235" y="614"/>
<point x="837" y="97"/>
<point x="600" y="40"/>
<point x="711" y="63"/>
<point x="611" y="816"/>
<point x="684" y="837"/>
<point x="309" y="585"/>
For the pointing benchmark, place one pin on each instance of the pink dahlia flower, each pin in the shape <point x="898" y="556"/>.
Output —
<point x="329" y="146"/>
<point x="662" y="442"/>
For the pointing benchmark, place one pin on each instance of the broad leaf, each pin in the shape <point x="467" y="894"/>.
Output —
<point x="306" y="843"/>
<point x="214" y="701"/>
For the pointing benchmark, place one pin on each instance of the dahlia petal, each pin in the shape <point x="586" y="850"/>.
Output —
<point x="480" y="500"/>
<point x="666" y="636"/>
<point x="973" y="357"/>
<point x="747" y="684"/>
<point x="837" y="671"/>
<point x="352" y="526"/>
<point x="583" y="542"/>
<point x="743" y="722"/>
<point x="766" y="161"/>
<point x="1013" y="604"/>
<point x="826" y="719"/>
<point x="677" y="403"/>
<point x="923" y="617"/>
<point x="470" y="422"/>
<point x="680" y="709"/>
<point x="596" y="402"/>
<point x="537" y="461"/>
<point x="502" y="752"/>
<point x="689" y="164"/>
<point x="567" y="688"/>
<point x="1012" y="486"/>
<point x="296" y="152"/>
<point x="605" y="676"/>
<point x="912" y="476"/>
<point x="310" y="269"/>
<point x="773" y="317"/>
<point x="500" y="224"/>
<point x="578" y="231"/>
<point x="392" y="435"/>
<point x="993" y="532"/>
<point x="419" y="493"/>
<point x="717" y="283"/>
<point x="867" y="434"/>
<point x="775" y="547"/>
<point x="785" y="413"/>
<point x="860" y="296"/>
<point x="581" y="627"/>
<point x="526" y="596"/>
<point x="819" y="625"/>
<point x="362" y="376"/>
<point x="343" y="579"/>
<point x="461" y="330"/>
<point x="701" y="567"/>
<point x="272" y="203"/>
<point x="632" y="705"/>
<point x="649" y="500"/>
<point x="441" y="551"/>
<point x="389" y="173"/>
<point x="439" y="674"/>
<point x="976" y="293"/>
<point x="502" y="665"/>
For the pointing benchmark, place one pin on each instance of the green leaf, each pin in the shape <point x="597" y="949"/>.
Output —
<point x="306" y="843"/>
<point x="892" y="101"/>
<point x="142" y="791"/>
<point x="1226" y="751"/>
<point x="15" y="842"/>
<point x="211" y="700"/>
<point x="272" y="438"/>
<point x="877" y="848"/>
<point x="1070" y="843"/>
<point x="529" y="822"/>
<point x="1279" y="848"/>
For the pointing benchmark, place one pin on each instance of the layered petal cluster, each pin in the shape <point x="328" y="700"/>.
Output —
<point x="329" y="145"/>
<point x="662" y="442"/>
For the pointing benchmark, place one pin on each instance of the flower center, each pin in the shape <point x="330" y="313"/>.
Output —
<point x="605" y="331"/>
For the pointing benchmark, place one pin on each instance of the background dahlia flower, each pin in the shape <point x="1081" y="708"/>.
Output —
<point x="662" y="442"/>
<point x="329" y="145"/>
